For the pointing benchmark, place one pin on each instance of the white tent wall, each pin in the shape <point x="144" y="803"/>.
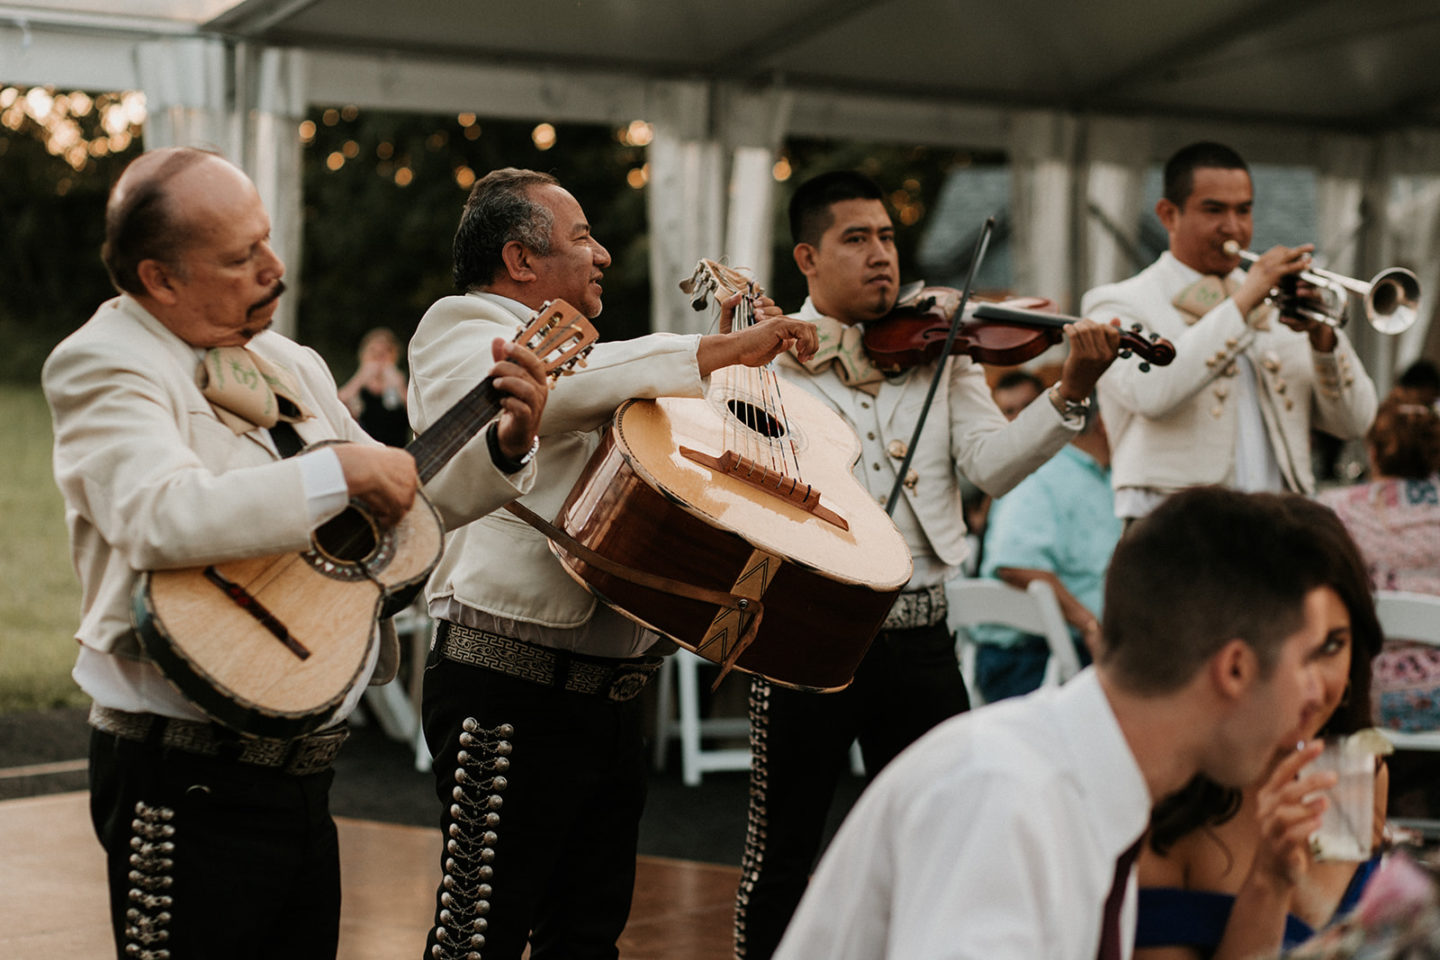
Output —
<point x="684" y="198"/>
<point x="1117" y="155"/>
<point x="710" y="190"/>
<point x="1042" y="173"/>
<point x="274" y="81"/>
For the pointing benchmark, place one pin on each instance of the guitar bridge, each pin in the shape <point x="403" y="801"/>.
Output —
<point x="778" y="485"/>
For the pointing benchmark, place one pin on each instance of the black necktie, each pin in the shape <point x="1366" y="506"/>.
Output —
<point x="1110" y="926"/>
<point x="287" y="440"/>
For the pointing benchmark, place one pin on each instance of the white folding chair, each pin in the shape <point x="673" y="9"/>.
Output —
<point x="1034" y="610"/>
<point x="413" y="626"/>
<point x="682" y="669"/>
<point x="1410" y="616"/>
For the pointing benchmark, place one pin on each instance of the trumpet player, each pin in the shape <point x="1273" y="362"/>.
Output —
<point x="1249" y="381"/>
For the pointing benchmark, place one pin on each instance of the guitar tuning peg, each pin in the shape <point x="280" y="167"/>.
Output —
<point x="1144" y="368"/>
<point x="699" y="303"/>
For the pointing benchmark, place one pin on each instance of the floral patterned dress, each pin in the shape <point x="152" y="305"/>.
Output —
<point x="1396" y="524"/>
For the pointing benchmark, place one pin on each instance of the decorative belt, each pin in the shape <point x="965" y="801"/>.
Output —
<point x="614" y="679"/>
<point x="918" y="608"/>
<point x="304" y="755"/>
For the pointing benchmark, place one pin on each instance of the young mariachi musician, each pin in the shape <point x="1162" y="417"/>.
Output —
<point x="910" y="679"/>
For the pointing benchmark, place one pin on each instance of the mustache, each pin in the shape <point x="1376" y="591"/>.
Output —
<point x="268" y="299"/>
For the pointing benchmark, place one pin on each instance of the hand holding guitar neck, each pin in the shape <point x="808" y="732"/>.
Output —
<point x="272" y="644"/>
<point x="521" y="379"/>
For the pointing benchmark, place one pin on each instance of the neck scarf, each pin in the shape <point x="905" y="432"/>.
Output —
<point x="1205" y="294"/>
<point x="840" y="346"/>
<point x="247" y="391"/>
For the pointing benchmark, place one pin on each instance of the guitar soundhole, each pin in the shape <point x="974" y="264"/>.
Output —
<point x="347" y="538"/>
<point x="756" y="418"/>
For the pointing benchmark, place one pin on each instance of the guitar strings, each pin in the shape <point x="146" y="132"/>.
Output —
<point x="777" y="438"/>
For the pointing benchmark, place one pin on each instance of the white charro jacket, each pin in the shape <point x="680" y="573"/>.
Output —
<point x="498" y="563"/>
<point x="1175" y="426"/>
<point x="965" y="434"/>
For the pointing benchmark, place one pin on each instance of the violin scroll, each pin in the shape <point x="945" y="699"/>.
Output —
<point x="1154" y="349"/>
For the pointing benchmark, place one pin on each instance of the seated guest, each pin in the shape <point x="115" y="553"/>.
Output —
<point x="1420" y="383"/>
<point x="1010" y="832"/>
<point x="1058" y="525"/>
<point x="1395" y="519"/>
<point x="1228" y="873"/>
<point x="1013" y="392"/>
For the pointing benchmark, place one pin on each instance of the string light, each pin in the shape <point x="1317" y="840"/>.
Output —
<point x="74" y="127"/>
<point x="543" y="136"/>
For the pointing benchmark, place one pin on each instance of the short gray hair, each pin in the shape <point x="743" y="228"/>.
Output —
<point x="498" y="211"/>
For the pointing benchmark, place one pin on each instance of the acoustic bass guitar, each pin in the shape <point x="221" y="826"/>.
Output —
<point x="271" y="645"/>
<point x="733" y="524"/>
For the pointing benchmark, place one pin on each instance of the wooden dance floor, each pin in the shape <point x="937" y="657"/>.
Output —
<point x="53" y="901"/>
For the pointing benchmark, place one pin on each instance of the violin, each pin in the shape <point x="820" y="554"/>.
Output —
<point x="1003" y="334"/>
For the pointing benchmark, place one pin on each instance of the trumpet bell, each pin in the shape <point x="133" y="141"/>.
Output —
<point x="1392" y="304"/>
<point x="1391" y="299"/>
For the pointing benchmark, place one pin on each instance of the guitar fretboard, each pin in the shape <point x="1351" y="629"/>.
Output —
<point x="434" y="448"/>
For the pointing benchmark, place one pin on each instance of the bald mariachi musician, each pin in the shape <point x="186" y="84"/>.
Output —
<point x="174" y="408"/>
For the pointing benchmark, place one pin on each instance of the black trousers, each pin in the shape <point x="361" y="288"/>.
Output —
<point x="908" y="682"/>
<point x="541" y="791"/>
<point x="210" y="859"/>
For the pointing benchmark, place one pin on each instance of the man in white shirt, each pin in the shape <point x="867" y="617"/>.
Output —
<point x="1009" y="833"/>
<point x="1247" y="385"/>
<point x="218" y="844"/>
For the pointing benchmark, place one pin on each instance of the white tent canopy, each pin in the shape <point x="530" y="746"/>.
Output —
<point x="1082" y="97"/>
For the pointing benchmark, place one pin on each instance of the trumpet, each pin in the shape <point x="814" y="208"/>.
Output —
<point x="1391" y="299"/>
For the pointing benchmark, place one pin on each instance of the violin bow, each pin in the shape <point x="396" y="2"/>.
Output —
<point x="982" y="243"/>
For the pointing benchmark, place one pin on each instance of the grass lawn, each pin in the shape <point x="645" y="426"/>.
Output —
<point x="39" y="593"/>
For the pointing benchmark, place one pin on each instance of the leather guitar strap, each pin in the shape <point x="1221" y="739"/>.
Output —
<point x="755" y="609"/>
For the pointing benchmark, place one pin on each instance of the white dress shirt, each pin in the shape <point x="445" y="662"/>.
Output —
<point x="994" y="837"/>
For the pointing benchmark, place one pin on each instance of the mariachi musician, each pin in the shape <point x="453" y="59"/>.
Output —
<point x="217" y="844"/>
<point x="910" y="679"/>
<point x="1248" y="385"/>
<point x="529" y="704"/>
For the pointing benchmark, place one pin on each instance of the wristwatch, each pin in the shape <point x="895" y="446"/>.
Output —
<point x="506" y="465"/>
<point x="1069" y="409"/>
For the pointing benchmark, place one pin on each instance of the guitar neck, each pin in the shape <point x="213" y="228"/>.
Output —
<point x="434" y="448"/>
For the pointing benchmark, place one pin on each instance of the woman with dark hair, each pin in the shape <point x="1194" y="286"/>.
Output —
<point x="1228" y="873"/>
<point x="1395" y="520"/>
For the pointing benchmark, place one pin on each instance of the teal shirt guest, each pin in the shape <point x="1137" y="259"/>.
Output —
<point x="1058" y="525"/>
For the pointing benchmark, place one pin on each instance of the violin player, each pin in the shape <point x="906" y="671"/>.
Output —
<point x="1238" y="405"/>
<point x="910" y="678"/>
